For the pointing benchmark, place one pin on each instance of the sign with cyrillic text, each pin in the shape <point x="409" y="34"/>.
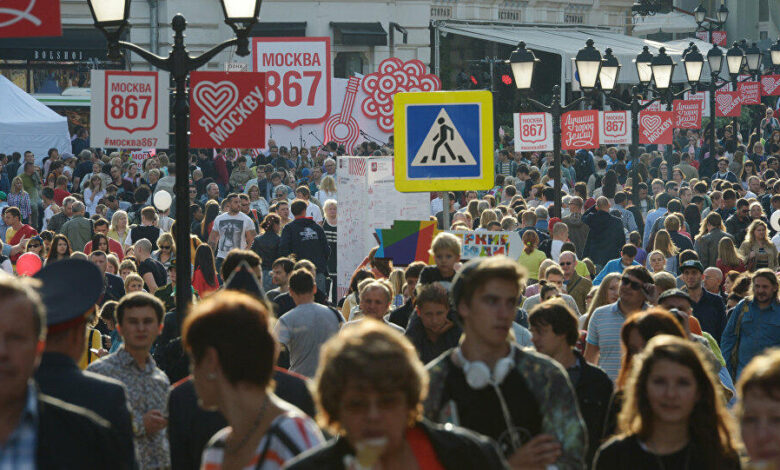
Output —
<point x="687" y="114"/>
<point x="656" y="127"/>
<point x="227" y="110"/>
<point x="298" y="78"/>
<point x="750" y="92"/>
<point x="533" y="132"/>
<point x="129" y="109"/>
<point x="728" y="104"/>
<point x="615" y="127"/>
<point x="580" y="130"/>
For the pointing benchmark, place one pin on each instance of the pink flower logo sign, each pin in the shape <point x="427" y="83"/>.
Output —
<point x="394" y="76"/>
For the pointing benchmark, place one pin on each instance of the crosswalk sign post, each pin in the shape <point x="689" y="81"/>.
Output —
<point x="444" y="141"/>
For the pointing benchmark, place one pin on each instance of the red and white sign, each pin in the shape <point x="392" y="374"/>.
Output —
<point x="139" y="156"/>
<point x="394" y="76"/>
<point x="728" y="104"/>
<point x="687" y="114"/>
<point x="129" y="109"/>
<point x="656" y="127"/>
<point x="750" y="92"/>
<point x="298" y="78"/>
<point x="227" y="110"/>
<point x="770" y="85"/>
<point x="719" y="38"/>
<point x="533" y="132"/>
<point x="580" y="130"/>
<point x="28" y="18"/>
<point x="704" y="99"/>
<point x="615" y="127"/>
<point x="703" y="35"/>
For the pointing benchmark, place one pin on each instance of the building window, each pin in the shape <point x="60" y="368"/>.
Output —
<point x="347" y="64"/>
<point x="570" y="18"/>
<point x="763" y="35"/>
<point x="763" y="10"/>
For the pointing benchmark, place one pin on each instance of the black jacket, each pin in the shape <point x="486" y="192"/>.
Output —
<point x="594" y="390"/>
<point x="115" y="288"/>
<point x="738" y="228"/>
<point x="605" y="238"/>
<point x="190" y="427"/>
<point x="307" y="240"/>
<point x="455" y="448"/>
<point x="70" y="436"/>
<point x="59" y="377"/>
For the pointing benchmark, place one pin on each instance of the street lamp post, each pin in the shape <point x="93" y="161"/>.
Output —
<point x="713" y="24"/>
<point x="588" y="64"/>
<point x="111" y="17"/>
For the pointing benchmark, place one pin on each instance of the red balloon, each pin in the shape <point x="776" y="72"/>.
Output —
<point x="28" y="264"/>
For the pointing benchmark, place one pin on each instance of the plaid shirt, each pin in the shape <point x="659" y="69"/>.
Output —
<point x="18" y="452"/>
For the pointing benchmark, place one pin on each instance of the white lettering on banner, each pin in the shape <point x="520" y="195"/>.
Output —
<point x="614" y="127"/>
<point x="582" y="127"/>
<point x="727" y="102"/>
<point x="687" y="114"/>
<point x="533" y="132"/>
<point x="129" y="109"/>
<point x="298" y="85"/>
<point x="654" y="126"/>
<point x="703" y="97"/>
<point x="223" y="113"/>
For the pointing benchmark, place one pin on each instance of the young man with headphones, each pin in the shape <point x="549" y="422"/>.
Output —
<point x="490" y="385"/>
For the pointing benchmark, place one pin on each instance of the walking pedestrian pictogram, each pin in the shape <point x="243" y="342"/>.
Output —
<point x="443" y="145"/>
<point x="443" y="141"/>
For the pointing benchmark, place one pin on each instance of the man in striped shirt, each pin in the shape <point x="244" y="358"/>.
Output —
<point x="603" y="340"/>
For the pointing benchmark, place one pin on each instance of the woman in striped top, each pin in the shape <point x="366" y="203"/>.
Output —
<point x="233" y="353"/>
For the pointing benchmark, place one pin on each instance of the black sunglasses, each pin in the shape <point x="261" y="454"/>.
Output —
<point x="634" y="284"/>
<point x="165" y="247"/>
<point x="34" y="246"/>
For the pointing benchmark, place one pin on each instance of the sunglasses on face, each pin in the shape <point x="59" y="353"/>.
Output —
<point x="634" y="284"/>
<point x="34" y="246"/>
<point x="165" y="247"/>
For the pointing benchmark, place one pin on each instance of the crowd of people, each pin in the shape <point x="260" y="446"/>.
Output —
<point x="635" y="331"/>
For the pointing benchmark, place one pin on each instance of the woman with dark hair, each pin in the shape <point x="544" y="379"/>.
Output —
<point x="233" y="351"/>
<point x="204" y="277"/>
<point x="609" y="186"/>
<point x="692" y="217"/>
<point x="353" y="296"/>
<point x="60" y="249"/>
<point x="758" y="409"/>
<point x="369" y="389"/>
<point x="266" y="246"/>
<point x="673" y="416"/>
<point x="210" y="213"/>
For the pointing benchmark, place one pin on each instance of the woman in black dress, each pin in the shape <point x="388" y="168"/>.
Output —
<point x="674" y="416"/>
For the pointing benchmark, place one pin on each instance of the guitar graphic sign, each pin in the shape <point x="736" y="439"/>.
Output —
<point x="342" y="128"/>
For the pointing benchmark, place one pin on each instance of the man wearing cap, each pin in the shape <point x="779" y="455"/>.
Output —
<point x="37" y="430"/>
<point x="707" y="308"/>
<point x="70" y="304"/>
<point x="490" y="385"/>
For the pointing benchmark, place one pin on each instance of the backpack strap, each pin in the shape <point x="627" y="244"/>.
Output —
<point x="734" y="359"/>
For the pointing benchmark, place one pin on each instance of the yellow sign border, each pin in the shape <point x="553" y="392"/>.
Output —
<point x="483" y="98"/>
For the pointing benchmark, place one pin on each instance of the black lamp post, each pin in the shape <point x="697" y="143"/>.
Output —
<point x="588" y="63"/>
<point x="774" y="55"/>
<point x="110" y="17"/>
<point x="713" y="24"/>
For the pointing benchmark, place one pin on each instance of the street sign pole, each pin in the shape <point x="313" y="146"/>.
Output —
<point x="445" y="204"/>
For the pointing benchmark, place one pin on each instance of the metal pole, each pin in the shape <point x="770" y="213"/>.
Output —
<point x="668" y="98"/>
<point x="713" y="89"/>
<point x="556" y="118"/>
<point x="635" y="144"/>
<point x="445" y="209"/>
<point x="436" y="58"/>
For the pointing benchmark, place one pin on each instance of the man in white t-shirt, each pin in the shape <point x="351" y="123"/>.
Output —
<point x="312" y="210"/>
<point x="232" y="230"/>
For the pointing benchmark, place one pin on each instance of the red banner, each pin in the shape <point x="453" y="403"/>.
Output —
<point x="580" y="130"/>
<point x="719" y="38"/>
<point x="687" y="114"/>
<point x="728" y="104"/>
<point x="227" y="109"/>
<point x="656" y="127"/>
<point x="28" y="18"/>
<point x="770" y="85"/>
<point x="750" y="92"/>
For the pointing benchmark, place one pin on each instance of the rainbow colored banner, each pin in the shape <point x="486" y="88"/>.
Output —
<point x="407" y="241"/>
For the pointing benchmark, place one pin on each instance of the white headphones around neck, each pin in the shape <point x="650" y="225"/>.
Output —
<point x="478" y="374"/>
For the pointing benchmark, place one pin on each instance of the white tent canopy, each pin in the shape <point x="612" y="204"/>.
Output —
<point x="27" y="124"/>
<point x="567" y="41"/>
<point x="674" y="22"/>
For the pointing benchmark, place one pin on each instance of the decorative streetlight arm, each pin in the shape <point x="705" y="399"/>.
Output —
<point x="201" y="60"/>
<point x="160" y="62"/>
<point x="166" y="63"/>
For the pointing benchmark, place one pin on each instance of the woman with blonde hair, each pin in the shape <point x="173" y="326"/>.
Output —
<point x="166" y="249"/>
<point x="757" y="251"/>
<point x="607" y="293"/>
<point x="327" y="190"/>
<point x="94" y="193"/>
<point x="691" y="430"/>
<point x="531" y="257"/>
<point x="18" y="197"/>
<point x="729" y="258"/>
<point x="663" y="243"/>
<point x="118" y="230"/>
<point x="485" y="218"/>
<point x="656" y="262"/>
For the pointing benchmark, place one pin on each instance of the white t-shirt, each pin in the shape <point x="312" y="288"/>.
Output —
<point x="313" y="211"/>
<point x="232" y="232"/>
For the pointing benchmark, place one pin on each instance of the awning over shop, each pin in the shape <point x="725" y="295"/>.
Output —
<point x="270" y="30"/>
<point x="359" y="34"/>
<point x="674" y="22"/>
<point x="566" y="42"/>
<point x="75" y="45"/>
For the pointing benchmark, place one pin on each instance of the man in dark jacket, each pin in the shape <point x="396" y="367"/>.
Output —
<point x="738" y="223"/>
<point x="578" y="230"/>
<point x="606" y="236"/>
<point x="70" y="290"/>
<point x="45" y="432"/>
<point x="432" y="328"/>
<point x="307" y="240"/>
<point x="555" y="332"/>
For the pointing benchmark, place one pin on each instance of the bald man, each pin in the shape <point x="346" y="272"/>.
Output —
<point x="712" y="279"/>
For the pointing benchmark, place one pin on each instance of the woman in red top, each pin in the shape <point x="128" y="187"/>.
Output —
<point x="729" y="258"/>
<point x="369" y="386"/>
<point x="204" y="280"/>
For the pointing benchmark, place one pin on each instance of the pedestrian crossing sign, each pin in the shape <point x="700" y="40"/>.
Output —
<point x="443" y="141"/>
